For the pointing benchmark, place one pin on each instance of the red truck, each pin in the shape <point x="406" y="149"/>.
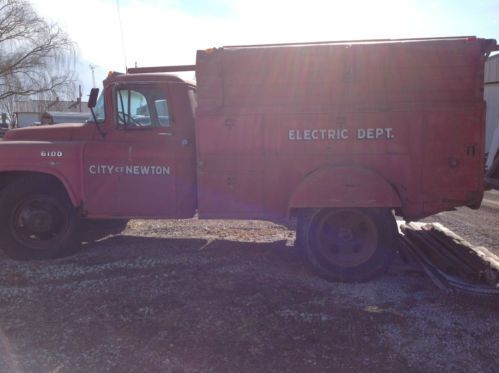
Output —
<point x="341" y="135"/>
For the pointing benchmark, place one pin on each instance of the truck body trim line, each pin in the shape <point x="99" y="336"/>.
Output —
<point x="161" y="69"/>
<point x="353" y="41"/>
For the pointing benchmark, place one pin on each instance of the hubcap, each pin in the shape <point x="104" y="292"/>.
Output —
<point x="346" y="238"/>
<point x="38" y="221"/>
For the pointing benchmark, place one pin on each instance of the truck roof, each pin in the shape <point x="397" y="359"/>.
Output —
<point x="114" y="77"/>
<point x="359" y="41"/>
<point x="492" y="46"/>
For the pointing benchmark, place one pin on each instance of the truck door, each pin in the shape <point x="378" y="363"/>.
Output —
<point x="152" y="173"/>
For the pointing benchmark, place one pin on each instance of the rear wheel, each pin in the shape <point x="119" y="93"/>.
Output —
<point x="348" y="244"/>
<point x="37" y="220"/>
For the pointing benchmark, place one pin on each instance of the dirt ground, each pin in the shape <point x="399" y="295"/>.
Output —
<point x="235" y="296"/>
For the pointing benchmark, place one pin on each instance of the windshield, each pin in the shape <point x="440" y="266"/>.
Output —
<point x="99" y="111"/>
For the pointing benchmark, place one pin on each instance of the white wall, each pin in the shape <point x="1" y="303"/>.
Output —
<point x="491" y="95"/>
<point x="27" y="119"/>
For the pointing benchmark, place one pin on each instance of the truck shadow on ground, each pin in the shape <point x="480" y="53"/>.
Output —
<point x="280" y="259"/>
<point x="191" y="250"/>
<point x="134" y="255"/>
<point x="130" y="255"/>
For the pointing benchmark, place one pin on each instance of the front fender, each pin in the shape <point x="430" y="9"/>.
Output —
<point x="344" y="186"/>
<point x="31" y="157"/>
<point x="70" y="189"/>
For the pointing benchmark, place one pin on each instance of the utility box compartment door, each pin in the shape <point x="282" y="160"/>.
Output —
<point x="229" y="135"/>
<point x="230" y="194"/>
<point x="453" y="153"/>
<point x="230" y="165"/>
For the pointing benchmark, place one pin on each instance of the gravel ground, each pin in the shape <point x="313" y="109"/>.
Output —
<point x="480" y="227"/>
<point x="226" y="296"/>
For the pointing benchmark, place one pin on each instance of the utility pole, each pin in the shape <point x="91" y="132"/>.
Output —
<point x="79" y="96"/>
<point x="92" y="67"/>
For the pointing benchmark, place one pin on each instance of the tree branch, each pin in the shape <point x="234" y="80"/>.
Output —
<point x="35" y="56"/>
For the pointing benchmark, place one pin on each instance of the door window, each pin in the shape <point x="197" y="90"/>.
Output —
<point x="142" y="107"/>
<point x="162" y="111"/>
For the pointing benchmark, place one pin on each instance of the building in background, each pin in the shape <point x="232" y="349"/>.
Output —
<point x="34" y="112"/>
<point x="54" y="117"/>
<point x="25" y="119"/>
<point x="491" y="94"/>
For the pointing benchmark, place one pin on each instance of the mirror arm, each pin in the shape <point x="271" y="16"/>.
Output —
<point x="103" y="135"/>
<point x="94" y="92"/>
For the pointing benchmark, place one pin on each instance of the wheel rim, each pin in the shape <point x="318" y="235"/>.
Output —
<point x="346" y="238"/>
<point x="38" y="222"/>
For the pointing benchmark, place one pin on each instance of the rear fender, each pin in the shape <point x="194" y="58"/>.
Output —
<point x="344" y="186"/>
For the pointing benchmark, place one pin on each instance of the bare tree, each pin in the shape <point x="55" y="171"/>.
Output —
<point x="36" y="56"/>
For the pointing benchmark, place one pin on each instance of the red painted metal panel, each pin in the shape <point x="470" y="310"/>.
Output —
<point x="143" y="172"/>
<point x="453" y="156"/>
<point x="226" y="194"/>
<point x="230" y="160"/>
<point x="344" y="187"/>
<point x="349" y="132"/>
<point x="392" y="108"/>
<point x="230" y="134"/>
<point x="26" y="156"/>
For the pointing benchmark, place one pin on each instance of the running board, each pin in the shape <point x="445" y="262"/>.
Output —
<point x="454" y="265"/>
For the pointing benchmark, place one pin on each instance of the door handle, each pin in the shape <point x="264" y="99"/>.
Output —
<point x="166" y="134"/>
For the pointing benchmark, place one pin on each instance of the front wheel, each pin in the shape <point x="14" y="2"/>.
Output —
<point x="348" y="244"/>
<point x="37" y="220"/>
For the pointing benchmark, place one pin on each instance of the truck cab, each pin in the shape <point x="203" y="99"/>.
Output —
<point x="135" y="158"/>
<point x="143" y="163"/>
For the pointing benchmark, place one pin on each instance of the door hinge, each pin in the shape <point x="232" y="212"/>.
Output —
<point x="471" y="150"/>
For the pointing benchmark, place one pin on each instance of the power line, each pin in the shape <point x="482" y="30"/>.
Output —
<point x="121" y="33"/>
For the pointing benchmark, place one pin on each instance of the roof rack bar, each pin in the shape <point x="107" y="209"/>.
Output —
<point x="161" y="69"/>
<point x="352" y="41"/>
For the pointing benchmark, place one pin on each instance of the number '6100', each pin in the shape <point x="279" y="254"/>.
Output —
<point x="51" y="153"/>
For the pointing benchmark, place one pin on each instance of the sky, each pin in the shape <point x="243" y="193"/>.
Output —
<point x="169" y="32"/>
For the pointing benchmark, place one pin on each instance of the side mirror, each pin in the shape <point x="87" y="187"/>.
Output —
<point x="92" y="98"/>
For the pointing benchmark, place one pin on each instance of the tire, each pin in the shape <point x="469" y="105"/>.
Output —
<point x="300" y="231"/>
<point x="348" y="244"/>
<point x="37" y="220"/>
